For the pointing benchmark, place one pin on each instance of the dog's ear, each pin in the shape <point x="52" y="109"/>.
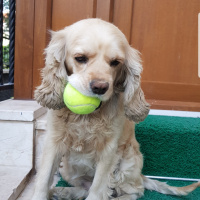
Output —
<point x="135" y="105"/>
<point x="49" y="93"/>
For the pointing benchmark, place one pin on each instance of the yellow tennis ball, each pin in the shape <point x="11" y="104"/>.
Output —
<point x="79" y="103"/>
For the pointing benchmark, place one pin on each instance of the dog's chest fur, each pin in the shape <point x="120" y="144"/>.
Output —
<point x="86" y="134"/>
<point x="82" y="137"/>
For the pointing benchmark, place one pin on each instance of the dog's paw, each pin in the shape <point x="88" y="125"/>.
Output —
<point x="56" y="193"/>
<point x="97" y="197"/>
<point x="54" y="197"/>
<point x="112" y="193"/>
<point x="66" y="193"/>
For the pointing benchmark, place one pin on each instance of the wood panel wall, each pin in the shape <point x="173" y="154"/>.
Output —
<point x="33" y="20"/>
<point x="165" y="32"/>
<point x="168" y="42"/>
<point x="24" y="40"/>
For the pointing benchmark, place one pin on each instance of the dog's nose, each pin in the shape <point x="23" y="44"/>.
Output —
<point x="99" y="86"/>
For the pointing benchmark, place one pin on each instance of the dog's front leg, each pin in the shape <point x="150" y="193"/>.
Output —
<point x="99" y="188"/>
<point x="50" y="160"/>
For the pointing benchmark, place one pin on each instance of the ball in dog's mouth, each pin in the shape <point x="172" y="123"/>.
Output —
<point x="99" y="106"/>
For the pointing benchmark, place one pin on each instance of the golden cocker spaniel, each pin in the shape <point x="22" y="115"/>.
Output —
<point x="100" y="155"/>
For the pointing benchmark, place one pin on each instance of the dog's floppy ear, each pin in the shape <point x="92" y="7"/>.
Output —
<point x="135" y="105"/>
<point x="49" y="93"/>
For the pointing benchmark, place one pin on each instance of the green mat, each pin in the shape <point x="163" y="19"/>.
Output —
<point x="171" y="147"/>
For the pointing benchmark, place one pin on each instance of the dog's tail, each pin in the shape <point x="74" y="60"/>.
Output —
<point x="166" y="189"/>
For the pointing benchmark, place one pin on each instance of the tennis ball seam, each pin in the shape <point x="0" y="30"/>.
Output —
<point x="74" y="106"/>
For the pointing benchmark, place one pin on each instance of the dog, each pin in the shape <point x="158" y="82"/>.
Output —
<point x="98" y="152"/>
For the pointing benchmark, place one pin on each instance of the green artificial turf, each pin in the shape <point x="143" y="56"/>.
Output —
<point x="171" y="147"/>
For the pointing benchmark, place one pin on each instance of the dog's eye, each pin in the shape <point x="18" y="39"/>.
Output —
<point x="81" y="59"/>
<point x="114" y="63"/>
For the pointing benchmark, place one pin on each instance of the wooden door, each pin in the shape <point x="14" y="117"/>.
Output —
<point x="164" y="31"/>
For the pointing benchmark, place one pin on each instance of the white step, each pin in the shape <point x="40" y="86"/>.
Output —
<point x="18" y="122"/>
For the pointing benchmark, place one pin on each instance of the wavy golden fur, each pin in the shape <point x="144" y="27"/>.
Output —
<point x="100" y="155"/>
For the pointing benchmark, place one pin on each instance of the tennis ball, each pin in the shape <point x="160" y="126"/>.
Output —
<point x="79" y="103"/>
